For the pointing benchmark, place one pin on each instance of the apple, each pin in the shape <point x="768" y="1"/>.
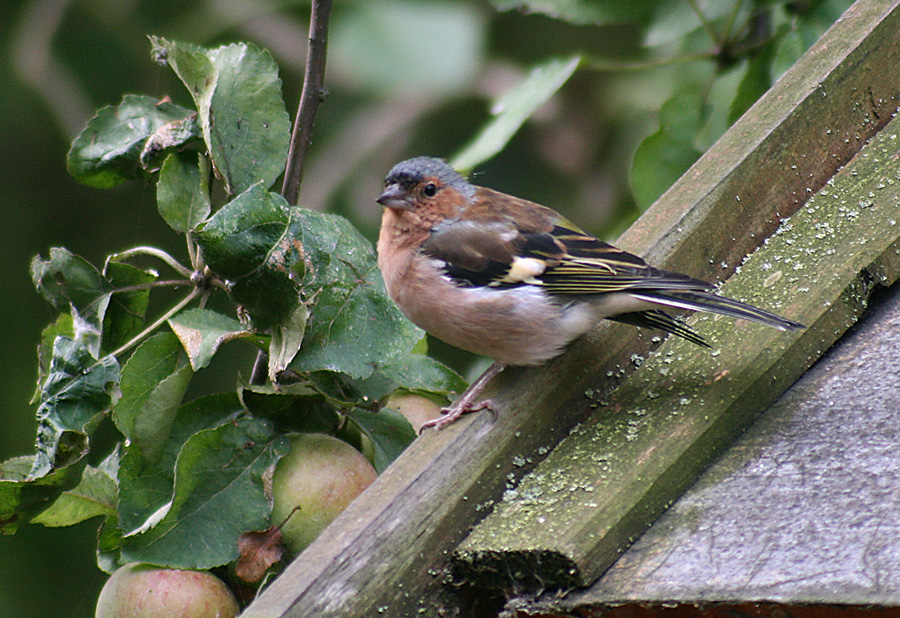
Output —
<point x="316" y="480"/>
<point x="144" y="591"/>
<point x="416" y="408"/>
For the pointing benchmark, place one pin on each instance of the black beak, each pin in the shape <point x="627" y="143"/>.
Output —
<point x="395" y="197"/>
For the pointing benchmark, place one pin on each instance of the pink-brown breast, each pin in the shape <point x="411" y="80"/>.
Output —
<point x="519" y="326"/>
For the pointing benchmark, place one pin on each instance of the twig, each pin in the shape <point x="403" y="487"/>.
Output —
<point x="599" y="64"/>
<point x="153" y="284"/>
<point x="312" y="94"/>
<point x="159" y="322"/>
<point x="705" y="22"/>
<point x="157" y="253"/>
<point x="726" y="35"/>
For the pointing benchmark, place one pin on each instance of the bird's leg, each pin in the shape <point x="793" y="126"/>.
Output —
<point x="467" y="401"/>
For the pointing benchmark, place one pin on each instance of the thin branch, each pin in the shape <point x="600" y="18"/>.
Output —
<point x="705" y="22"/>
<point x="153" y="284"/>
<point x="159" y="322"/>
<point x="157" y="253"/>
<point x="599" y="64"/>
<point x="312" y="94"/>
<point x="726" y="35"/>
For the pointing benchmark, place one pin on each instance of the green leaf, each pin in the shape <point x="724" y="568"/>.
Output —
<point x="23" y="496"/>
<point x="756" y="81"/>
<point x="63" y="326"/>
<point x="582" y="12"/>
<point x="72" y="285"/>
<point x="76" y="394"/>
<point x="344" y="392"/>
<point x="295" y="407"/>
<point x="237" y="240"/>
<point x="153" y="384"/>
<point x="805" y="23"/>
<point x="182" y="192"/>
<point x="202" y="331"/>
<point x="389" y="431"/>
<point x="354" y="327"/>
<point x="440" y="51"/>
<point x="286" y="340"/>
<point x="125" y="315"/>
<point x="718" y="104"/>
<point x="248" y="242"/>
<point x="109" y="538"/>
<point x="514" y="108"/>
<point x="664" y="156"/>
<point x="241" y="112"/>
<point x="96" y="495"/>
<point x="218" y="496"/>
<point x="788" y="51"/>
<point x="411" y="372"/>
<point x="422" y="374"/>
<point x="122" y="142"/>
<point x="672" y="21"/>
<point x="146" y="486"/>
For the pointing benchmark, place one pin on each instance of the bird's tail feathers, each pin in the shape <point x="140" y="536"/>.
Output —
<point x="662" y="321"/>
<point x="707" y="301"/>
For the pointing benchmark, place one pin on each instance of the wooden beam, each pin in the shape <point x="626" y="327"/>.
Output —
<point x="801" y="511"/>
<point x="388" y="552"/>
<point x="603" y="485"/>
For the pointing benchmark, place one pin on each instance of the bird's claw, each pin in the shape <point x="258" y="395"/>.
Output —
<point x="452" y="413"/>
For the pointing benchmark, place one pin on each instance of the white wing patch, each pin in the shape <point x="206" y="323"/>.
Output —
<point x="523" y="270"/>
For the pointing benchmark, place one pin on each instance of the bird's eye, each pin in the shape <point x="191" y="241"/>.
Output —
<point x="430" y="189"/>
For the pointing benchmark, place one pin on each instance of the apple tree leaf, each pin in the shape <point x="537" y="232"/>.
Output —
<point x="182" y="191"/>
<point x="77" y="392"/>
<point x="514" y="108"/>
<point x="123" y="142"/>
<point x="202" y="331"/>
<point x="154" y="380"/>
<point x="240" y="109"/>
<point x="218" y="495"/>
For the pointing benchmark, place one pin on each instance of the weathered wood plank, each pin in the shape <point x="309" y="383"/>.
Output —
<point x="387" y="552"/>
<point x="803" y="510"/>
<point x="608" y="481"/>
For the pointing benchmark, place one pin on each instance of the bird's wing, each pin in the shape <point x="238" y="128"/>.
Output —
<point x="591" y="266"/>
<point x="514" y="243"/>
<point x="501" y="249"/>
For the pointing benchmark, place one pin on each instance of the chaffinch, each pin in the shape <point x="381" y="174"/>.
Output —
<point x="515" y="281"/>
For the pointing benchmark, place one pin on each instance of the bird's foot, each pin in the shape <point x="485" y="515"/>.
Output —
<point x="451" y="413"/>
<point x="468" y="402"/>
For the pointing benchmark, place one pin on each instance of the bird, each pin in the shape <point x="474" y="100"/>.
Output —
<point x="515" y="281"/>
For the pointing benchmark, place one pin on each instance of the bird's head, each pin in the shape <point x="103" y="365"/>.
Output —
<point x="425" y="185"/>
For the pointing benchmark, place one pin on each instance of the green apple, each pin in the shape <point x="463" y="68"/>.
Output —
<point x="416" y="408"/>
<point x="144" y="591"/>
<point x="317" y="480"/>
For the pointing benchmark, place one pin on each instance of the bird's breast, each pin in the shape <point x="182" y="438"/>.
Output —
<point x="518" y="326"/>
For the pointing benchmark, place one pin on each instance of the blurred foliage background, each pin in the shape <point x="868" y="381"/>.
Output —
<point x="659" y="81"/>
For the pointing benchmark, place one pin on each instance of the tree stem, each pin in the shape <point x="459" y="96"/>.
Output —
<point x="159" y="322"/>
<point x="706" y="24"/>
<point x="312" y="94"/>
<point x="157" y="253"/>
<point x="153" y="284"/>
